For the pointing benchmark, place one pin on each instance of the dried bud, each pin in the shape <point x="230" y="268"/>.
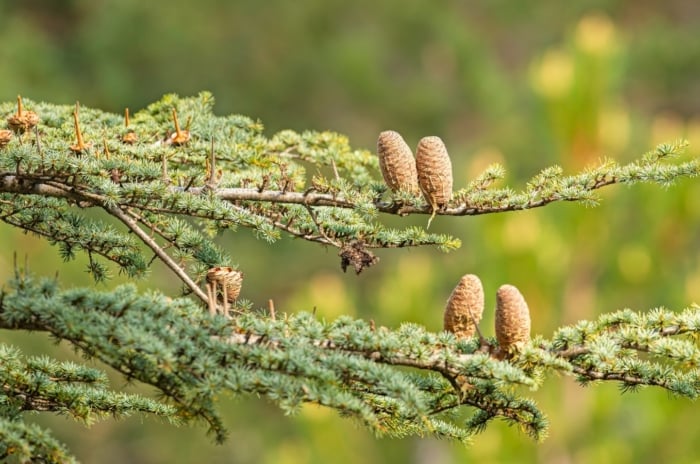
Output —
<point x="397" y="163"/>
<point x="130" y="136"/>
<point x="5" y="137"/>
<point x="465" y="307"/>
<point x="23" y="120"/>
<point x="434" y="171"/>
<point x="80" y="145"/>
<point x="229" y="279"/>
<point x="512" y="319"/>
<point x="179" y="137"/>
<point x="355" y="254"/>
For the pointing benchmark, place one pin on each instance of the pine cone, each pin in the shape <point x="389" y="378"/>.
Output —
<point x="227" y="277"/>
<point x="434" y="171"/>
<point x="512" y="319"/>
<point x="397" y="163"/>
<point x="465" y="307"/>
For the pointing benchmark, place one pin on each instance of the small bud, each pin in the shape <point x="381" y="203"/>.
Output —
<point x="397" y="163"/>
<point x="226" y="278"/>
<point x="5" y="137"/>
<point x="22" y="121"/>
<point x="465" y="307"/>
<point x="512" y="320"/>
<point x="434" y="171"/>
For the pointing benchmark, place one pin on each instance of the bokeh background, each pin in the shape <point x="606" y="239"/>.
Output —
<point x="526" y="84"/>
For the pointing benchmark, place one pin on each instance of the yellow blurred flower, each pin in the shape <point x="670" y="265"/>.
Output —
<point x="614" y="128"/>
<point x="634" y="263"/>
<point x="596" y="35"/>
<point x="553" y="76"/>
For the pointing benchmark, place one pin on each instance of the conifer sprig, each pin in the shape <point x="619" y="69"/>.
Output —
<point x="227" y="174"/>
<point x="179" y="176"/>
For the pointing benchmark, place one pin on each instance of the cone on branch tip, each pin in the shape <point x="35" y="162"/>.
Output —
<point x="512" y="320"/>
<point x="397" y="163"/>
<point x="434" y="170"/>
<point x="465" y="307"/>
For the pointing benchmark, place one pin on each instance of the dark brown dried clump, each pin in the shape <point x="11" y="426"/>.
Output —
<point x="397" y="163"/>
<point x="512" y="320"/>
<point x="465" y="307"/>
<point x="356" y="255"/>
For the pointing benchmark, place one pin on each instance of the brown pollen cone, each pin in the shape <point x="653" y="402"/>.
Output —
<point x="512" y="320"/>
<point x="434" y="171"/>
<point x="396" y="162"/>
<point x="228" y="278"/>
<point x="464" y="307"/>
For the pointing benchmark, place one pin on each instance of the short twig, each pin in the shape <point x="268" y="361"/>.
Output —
<point x="151" y="243"/>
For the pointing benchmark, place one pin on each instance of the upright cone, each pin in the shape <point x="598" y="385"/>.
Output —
<point x="397" y="163"/>
<point x="512" y="319"/>
<point x="465" y="307"/>
<point x="227" y="278"/>
<point x="434" y="170"/>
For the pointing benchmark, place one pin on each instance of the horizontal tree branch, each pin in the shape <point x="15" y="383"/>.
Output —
<point x="31" y="185"/>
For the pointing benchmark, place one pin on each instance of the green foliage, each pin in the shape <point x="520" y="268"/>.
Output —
<point x="398" y="382"/>
<point x="43" y="385"/>
<point x="174" y="195"/>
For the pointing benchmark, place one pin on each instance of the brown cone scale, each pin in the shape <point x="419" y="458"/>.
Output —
<point x="397" y="163"/>
<point x="512" y="319"/>
<point x="464" y="307"/>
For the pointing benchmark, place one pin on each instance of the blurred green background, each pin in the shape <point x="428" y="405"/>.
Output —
<point x="527" y="84"/>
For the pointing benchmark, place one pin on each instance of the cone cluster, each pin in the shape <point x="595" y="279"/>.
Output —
<point x="430" y="172"/>
<point x="465" y="307"/>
